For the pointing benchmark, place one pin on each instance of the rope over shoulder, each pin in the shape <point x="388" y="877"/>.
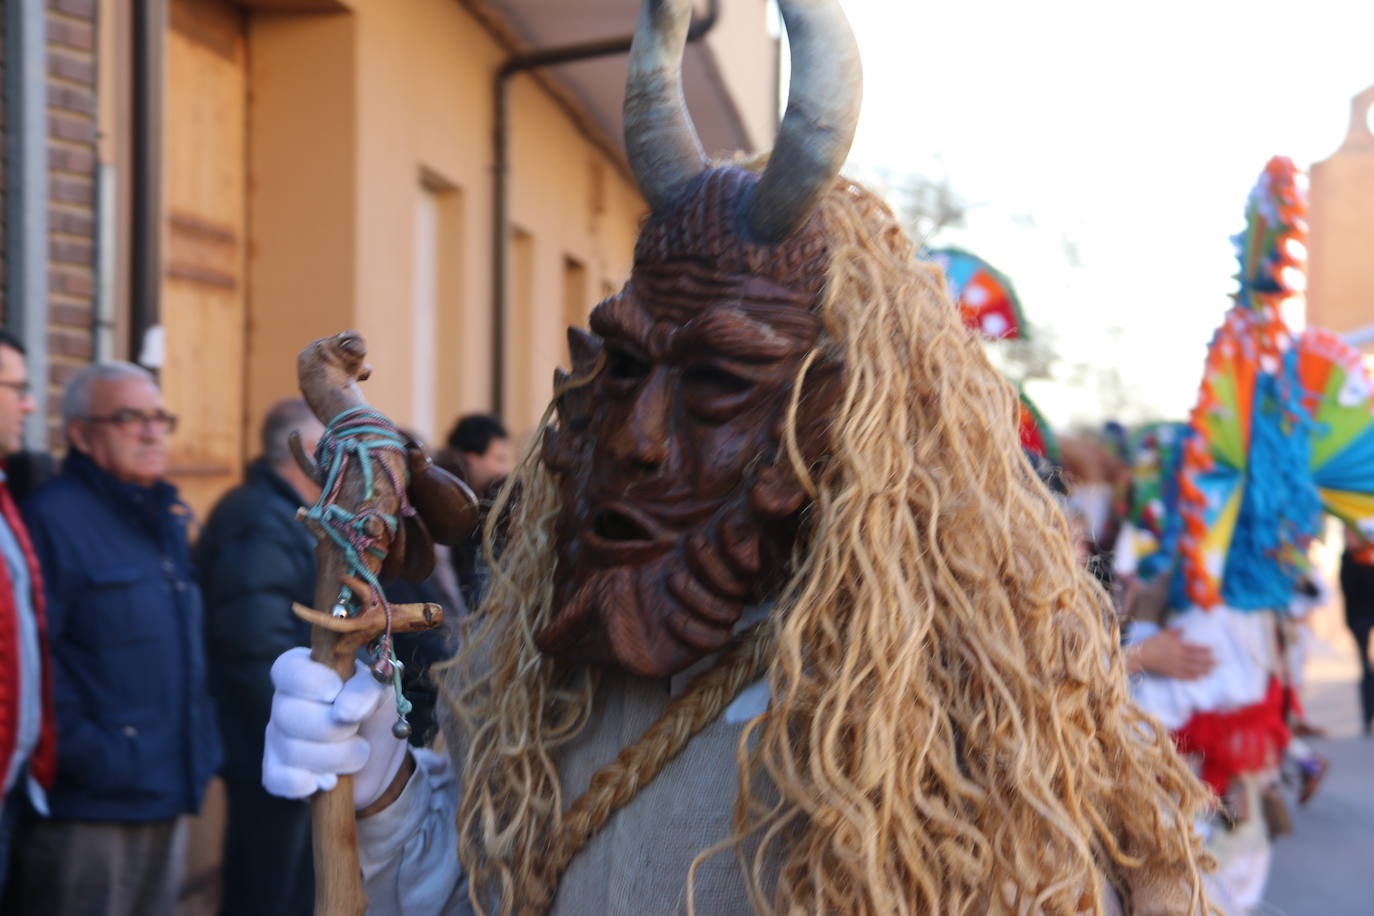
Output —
<point x="615" y="785"/>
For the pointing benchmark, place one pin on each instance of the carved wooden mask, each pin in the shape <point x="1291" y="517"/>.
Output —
<point x="677" y="511"/>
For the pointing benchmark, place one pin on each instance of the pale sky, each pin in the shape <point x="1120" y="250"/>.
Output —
<point x="1132" y="131"/>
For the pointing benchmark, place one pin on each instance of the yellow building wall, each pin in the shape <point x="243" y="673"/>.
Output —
<point x="302" y="196"/>
<point x="572" y="205"/>
<point x="1340" y="287"/>
<point x="357" y="117"/>
<point x="747" y="56"/>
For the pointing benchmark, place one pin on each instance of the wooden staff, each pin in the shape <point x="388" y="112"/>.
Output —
<point x="329" y="370"/>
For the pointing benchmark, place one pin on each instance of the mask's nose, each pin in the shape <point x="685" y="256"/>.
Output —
<point x="643" y="440"/>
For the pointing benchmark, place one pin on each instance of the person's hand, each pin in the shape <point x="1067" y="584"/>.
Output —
<point x="322" y="728"/>
<point x="1167" y="654"/>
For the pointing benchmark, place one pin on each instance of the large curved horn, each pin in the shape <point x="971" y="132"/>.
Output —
<point x="661" y="142"/>
<point x="818" y="128"/>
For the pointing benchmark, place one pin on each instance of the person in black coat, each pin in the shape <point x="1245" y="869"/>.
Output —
<point x="254" y="559"/>
<point x="478" y="452"/>
<point x="1357" y="585"/>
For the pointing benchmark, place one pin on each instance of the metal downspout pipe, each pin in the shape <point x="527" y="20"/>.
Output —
<point x="26" y="198"/>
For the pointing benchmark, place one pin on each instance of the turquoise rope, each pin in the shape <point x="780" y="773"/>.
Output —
<point x="345" y="528"/>
<point x="357" y="433"/>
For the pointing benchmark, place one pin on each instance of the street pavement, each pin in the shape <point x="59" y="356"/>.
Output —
<point x="1326" y="866"/>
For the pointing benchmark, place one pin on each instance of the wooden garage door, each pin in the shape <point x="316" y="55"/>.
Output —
<point x="203" y="310"/>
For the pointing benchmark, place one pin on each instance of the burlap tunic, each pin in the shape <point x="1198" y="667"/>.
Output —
<point x="638" y="864"/>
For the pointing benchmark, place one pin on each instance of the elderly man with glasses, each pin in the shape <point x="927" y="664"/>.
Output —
<point x="137" y="738"/>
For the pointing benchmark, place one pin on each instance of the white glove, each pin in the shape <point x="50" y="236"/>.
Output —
<point x="322" y="728"/>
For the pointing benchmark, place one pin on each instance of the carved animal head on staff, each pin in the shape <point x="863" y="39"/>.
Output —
<point x="427" y="504"/>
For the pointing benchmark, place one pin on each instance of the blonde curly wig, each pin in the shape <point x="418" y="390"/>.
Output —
<point x="949" y="731"/>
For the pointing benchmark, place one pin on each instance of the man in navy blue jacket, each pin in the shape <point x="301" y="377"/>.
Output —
<point x="137" y="738"/>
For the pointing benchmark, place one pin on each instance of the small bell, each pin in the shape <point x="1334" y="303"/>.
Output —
<point x="343" y="603"/>
<point x="384" y="670"/>
<point x="401" y="729"/>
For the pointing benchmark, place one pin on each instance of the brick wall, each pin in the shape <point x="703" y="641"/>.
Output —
<point x="71" y="194"/>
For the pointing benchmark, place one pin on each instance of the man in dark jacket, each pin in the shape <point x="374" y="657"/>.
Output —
<point x="254" y="560"/>
<point x="137" y="741"/>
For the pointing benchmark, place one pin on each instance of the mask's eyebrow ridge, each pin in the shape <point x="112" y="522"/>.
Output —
<point x="618" y="317"/>
<point x="731" y="332"/>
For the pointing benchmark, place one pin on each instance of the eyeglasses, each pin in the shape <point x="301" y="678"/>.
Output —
<point x="23" y="389"/>
<point x="127" y="419"/>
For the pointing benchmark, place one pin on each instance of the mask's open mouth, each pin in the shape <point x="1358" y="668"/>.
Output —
<point x="620" y="533"/>
<point x="618" y="526"/>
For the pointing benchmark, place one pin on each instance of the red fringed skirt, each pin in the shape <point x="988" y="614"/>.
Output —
<point x="1243" y="740"/>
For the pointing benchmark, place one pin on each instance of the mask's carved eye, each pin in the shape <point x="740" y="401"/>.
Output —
<point x="707" y="380"/>
<point x="624" y="366"/>
<point x="714" y="393"/>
